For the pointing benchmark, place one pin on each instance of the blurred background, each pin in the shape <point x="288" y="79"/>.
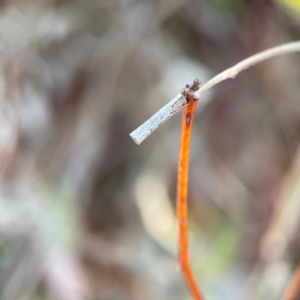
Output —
<point x="85" y="213"/>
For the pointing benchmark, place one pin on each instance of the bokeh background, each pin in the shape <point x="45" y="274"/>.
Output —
<point x="87" y="214"/>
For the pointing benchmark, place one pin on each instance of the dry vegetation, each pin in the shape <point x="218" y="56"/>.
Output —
<point x="84" y="212"/>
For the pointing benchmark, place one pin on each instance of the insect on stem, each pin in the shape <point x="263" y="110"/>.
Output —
<point x="182" y="187"/>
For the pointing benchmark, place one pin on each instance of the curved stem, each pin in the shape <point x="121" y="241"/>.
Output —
<point x="143" y="131"/>
<point x="293" y="288"/>
<point x="182" y="193"/>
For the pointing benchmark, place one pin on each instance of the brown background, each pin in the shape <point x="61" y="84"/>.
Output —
<point x="87" y="214"/>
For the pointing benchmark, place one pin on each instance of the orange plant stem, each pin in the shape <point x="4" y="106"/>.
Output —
<point x="182" y="193"/>
<point x="293" y="287"/>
